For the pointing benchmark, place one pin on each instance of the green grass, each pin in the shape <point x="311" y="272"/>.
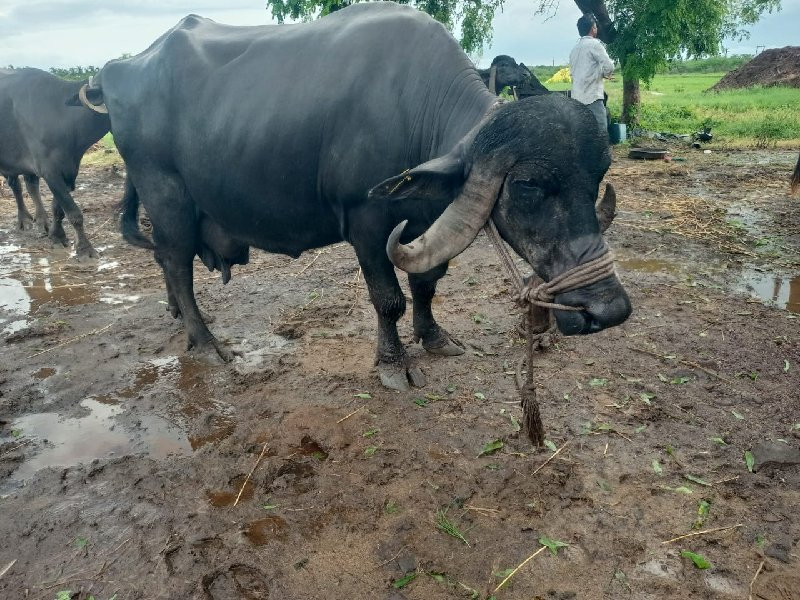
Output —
<point x="754" y="117"/>
<point x="105" y="155"/>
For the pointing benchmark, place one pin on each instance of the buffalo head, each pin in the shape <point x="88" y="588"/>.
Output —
<point x="535" y="168"/>
<point x="504" y="72"/>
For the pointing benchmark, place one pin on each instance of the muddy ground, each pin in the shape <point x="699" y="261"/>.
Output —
<point x="121" y="456"/>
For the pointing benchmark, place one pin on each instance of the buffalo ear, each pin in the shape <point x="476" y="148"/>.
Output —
<point x="438" y="179"/>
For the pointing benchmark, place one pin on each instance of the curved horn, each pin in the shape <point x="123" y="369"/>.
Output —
<point x="453" y="231"/>
<point x="493" y="80"/>
<point x="606" y="209"/>
<point x="82" y="95"/>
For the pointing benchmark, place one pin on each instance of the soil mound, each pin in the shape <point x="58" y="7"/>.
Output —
<point x="777" y="66"/>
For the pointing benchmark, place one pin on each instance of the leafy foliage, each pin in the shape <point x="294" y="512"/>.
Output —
<point x="473" y="16"/>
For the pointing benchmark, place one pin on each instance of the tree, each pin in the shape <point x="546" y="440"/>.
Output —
<point x="641" y="34"/>
<point x="474" y="17"/>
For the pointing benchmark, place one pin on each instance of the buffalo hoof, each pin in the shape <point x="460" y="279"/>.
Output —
<point x="212" y="352"/>
<point x="24" y="222"/>
<point x="59" y="238"/>
<point x="443" y="344"/>
<point x="398" y="377"/>
<point x="86" y="252"/>
<point x="43" y="226"/>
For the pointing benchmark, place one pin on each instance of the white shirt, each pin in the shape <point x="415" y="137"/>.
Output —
<point x="588" y="64"/>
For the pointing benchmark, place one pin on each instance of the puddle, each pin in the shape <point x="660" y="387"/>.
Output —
<point x="771" y="289"/>
<point x="69" y="442"/>
<point x="220" y="499"/>
<point x="782" y="292"/>
<point x="44" y="373"/>
<point x="263" y="530"/>
<point x="26" y="286"/>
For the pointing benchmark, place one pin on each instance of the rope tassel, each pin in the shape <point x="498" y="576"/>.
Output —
<point x="538" y="296"/>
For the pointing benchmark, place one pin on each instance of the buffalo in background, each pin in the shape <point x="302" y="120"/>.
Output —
<point x="505" y="72"/>
<point x="43" y="136"/>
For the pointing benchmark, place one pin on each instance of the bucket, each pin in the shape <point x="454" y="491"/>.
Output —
<point x="617" y="132"/>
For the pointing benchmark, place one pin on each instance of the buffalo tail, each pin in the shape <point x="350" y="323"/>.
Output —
<point x="129" y="218"/>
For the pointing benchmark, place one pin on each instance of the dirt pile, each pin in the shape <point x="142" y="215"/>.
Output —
<point x="777" y="66"/>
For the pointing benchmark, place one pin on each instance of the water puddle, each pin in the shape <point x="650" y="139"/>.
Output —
<point x="781" y="292"/>
<point x="73" y="441"/>
<point x="224" y="498"/>
<point x="44" y="373"/>
<point x="263" y="530"/>
<point x="771" y="289"/>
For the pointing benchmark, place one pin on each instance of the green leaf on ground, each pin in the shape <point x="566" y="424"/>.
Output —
<point x="680" y="489"/>
<point x="662" y="378"/>
<point x="657" y="467"/>
<point x="598" y="382"/>
<point x="16" y="433"/>
<point x="696" y="479"/>
<point x="515" y="424"/>
<point x="749" y="460"/>
<point x="550" y="445"/>
<point x="480" y="396"/>
<point x="370" y="451"/>
<point x="640" y="429"/>
<point x="421" y="402"/>
<point x="702" y="514"/>
<point x="680" y="380"/>
<point x="785" y="366"/>
<point x="64" y="595"/>
<point x="269" y="506"/>
<point x="719" y="440"/>
<point x="447" y="526"/>
<point x="405" y="580"/>
<point x="81" y="542"/>
<point x="553" y="545"/>
<point x="391" y="507"/>
<point x="504" y="574"/>
<point x="490" y="447"/>
<point x="738" y="415"/>
<point x="363" y="396"/>
<point x="370" y="432"/>
<point x="646" y="397"/>
<point x="701" y="562"/>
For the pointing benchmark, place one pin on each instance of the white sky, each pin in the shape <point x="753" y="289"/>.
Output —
<point x="63" y="33"/>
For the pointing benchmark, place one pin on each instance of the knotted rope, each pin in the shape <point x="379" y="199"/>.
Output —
<point x="537" y="296"/>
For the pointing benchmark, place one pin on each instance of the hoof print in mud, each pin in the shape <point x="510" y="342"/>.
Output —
<point x="237" y="581"/>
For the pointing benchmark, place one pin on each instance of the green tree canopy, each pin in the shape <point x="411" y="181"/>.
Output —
<point x="473" y="17"/>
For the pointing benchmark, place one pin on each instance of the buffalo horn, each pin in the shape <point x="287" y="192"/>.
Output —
<point x="453" y="231"/>
<point x="101" y="108"/>
<point x="606" y="208"/>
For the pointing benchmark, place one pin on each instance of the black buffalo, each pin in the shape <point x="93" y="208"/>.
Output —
<point x="386" y="126"/>
<point x="505" y="72"/>
<point x="43" y="136"/>
<point x="796" y="176"/>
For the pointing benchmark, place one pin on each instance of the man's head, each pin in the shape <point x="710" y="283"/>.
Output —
<point x="587" y="25"/>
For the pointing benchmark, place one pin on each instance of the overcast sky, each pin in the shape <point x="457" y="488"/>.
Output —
<point x="63" y="33"/>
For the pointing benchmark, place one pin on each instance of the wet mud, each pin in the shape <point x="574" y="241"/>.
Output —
<point x="131" y="468"/>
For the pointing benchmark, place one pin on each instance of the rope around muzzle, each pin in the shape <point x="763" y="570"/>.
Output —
<point x="538" y="295"/>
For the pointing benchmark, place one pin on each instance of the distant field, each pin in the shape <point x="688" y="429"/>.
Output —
<point x="678" y="103"/>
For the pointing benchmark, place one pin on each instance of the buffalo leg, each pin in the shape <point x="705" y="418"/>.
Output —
<point x="24" y="218"/>
<point x="57" y="234"/>
<point x="390" y="304"/>
<point x="433" y="337"/>
<point x="32" y="185"/>
<point x="175" y="235"/>
<point x="62" y="197"/>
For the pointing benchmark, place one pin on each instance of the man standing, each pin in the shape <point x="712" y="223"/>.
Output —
<point x="589" y="64"/>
